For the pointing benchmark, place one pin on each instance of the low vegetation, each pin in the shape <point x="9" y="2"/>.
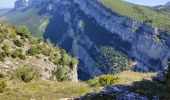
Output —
<point x="2" y="86"/>
<point x="43" y="90"/>
<point x="121" y="78"/>
<point x="26" y="74"/>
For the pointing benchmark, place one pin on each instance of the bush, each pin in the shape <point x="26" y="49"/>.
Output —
<point x="2" y="59"/>
<point x="13" y="36"/>
<point x="18" y="43"/>
<point x="2" y="75"/>
<point x="2" y="56"/>
<point x="108" y="79"/>
<point x="1" y="39"/>
<point x="23" y="31"/>
<point x="6" y="50"/>
<point x="26" y="74"/>
<point x="73" y="62"/>
<point x="104" y="80"/>
<point x="33" y="51"/>
<point x="2" y="86"/>
<point x="21" y="56"/>
<point x="16" y="53"/>
<point x="60" y="74"/>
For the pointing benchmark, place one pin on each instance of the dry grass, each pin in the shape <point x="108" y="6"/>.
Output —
<point x="129" y="76"/>
<point x="122" y="78"/>
<point x="44" y="90"/>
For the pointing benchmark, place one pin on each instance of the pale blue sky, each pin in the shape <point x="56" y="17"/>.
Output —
<point x="7" y="3"/>
<point x="10" y="3"/>
<point x="149" y="2"/>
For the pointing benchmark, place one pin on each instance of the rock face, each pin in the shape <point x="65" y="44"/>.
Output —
<point x="83" y="26"/>
<point x="21" y="4"/>
<point x="114" y="92"/>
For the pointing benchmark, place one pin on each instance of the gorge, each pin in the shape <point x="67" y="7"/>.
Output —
<point x="87" y="29"/>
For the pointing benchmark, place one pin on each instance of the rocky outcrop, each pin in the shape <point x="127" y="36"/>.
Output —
<point x="21" y="4"/>
<point x="52" y="62"/>
<point x="160" y="76"/>
<point x="114" y="92"/>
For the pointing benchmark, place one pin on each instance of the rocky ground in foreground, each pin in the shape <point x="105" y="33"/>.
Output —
<point x="155" y="88"/>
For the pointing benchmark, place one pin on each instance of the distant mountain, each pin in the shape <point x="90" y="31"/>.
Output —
<point x="4" y="10"/>
<point x="163" y="8"/>
<point x="167" y="4"/>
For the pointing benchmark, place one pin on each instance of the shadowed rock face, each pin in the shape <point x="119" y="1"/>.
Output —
<point x="83" y="26"/>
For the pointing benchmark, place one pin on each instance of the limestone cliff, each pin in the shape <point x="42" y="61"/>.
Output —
<point x="82" y="27"/>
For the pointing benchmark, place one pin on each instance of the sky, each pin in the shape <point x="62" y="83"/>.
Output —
<point x="7" y="3"/>
<point x="10" y="3"/>
<point x="149" y="2"/>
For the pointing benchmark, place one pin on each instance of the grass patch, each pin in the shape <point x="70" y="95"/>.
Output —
<point x="44" y="90"/>
<point x="121" y="78"/>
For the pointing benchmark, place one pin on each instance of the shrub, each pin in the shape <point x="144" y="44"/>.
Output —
<point x="73" y="62"/>
<point x="2" y="86"/>
<point x="2" y="75"/>
<point x="13" y="36"/>
<point x="60" y="74"/>
<point x="104" y="80"/>
<point x="2" y="59"/>
<point x="5" y="47"/>
<point x="22" y="57"/>
<point x="108" y="79"/>
<point x="33" y="51"/>
<point x="65" y="58"/>
<point x="26" y="74"/>
<point x="18" y="43"/>
<point x="16" y="53"/>
<point x="23" y="31"/>
<point x="2" y="56"/>
<point x="1" y="39"/>
<point x="46" y="51"/>
<point x="6" y="50"/>
<point x="1" y="30"/>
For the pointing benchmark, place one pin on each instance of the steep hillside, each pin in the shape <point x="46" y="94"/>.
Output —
<point x="101" y="33"/>
<point x="139" y="13"/>
<point x="18" y="49"/>
<point x="35" y="22"/>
